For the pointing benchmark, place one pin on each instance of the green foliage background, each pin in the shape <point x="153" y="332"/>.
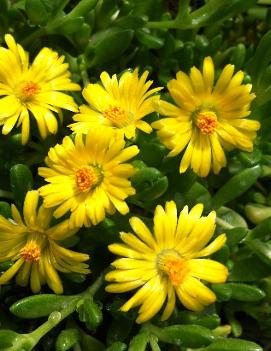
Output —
<point x="163" y="37"/>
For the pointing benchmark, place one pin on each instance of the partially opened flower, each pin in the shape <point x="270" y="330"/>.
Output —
<point x="118" y="104"/>
<point x="33" y="88"/>
<point x="34" y="247"/>
<point x="88" y="177"/>
<point x="208" y="118"/>
<point x="168" y="262"/>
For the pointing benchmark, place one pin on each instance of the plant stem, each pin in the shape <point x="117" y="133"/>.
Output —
<point x="34" y="35"/>
<point x="162" y="25"/>
<point x="56" y="317"/>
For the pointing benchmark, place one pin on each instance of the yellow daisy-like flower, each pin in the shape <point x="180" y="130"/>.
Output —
<point x="33" y="247"/>
<point x="168" y="263"/>
<point x="88" y="177"/>
<point x="208" y="118"/>
<point x="35" y="88"/>
<point x="119" y="104"/>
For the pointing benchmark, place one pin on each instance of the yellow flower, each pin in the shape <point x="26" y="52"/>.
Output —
<point x="32" y="245"/>
<point x="168" y="262"/>
<point x="88" y="177"/>
<point x="35" y="88"/>
<point x="208" y="118"/>
<point x="119" y="104"/>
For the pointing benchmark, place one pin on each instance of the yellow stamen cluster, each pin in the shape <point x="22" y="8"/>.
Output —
<point x="173" y="265"/>
<point x="86" y="178"/>
<point x="207" y="122"/>
<point x="28" y="90"/>
<point x="30" y="252"/>
<point x="115" y="114"/>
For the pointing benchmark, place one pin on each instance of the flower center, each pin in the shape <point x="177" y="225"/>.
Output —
<point x="30" y="252"/>
<point x="87" y="178"/>
<point x="116" y="115"/>
<point x="206" y="121"/>
<point x="172" y="264"/>
<point x="28" y="90"/>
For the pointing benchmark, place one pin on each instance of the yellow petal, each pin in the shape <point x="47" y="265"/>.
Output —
<point x="30" y="206"/>
<point x="209" y="270"/>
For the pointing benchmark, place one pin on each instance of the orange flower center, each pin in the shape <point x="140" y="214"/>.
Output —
<point x="207" y="122"/>
<point x="173" y="265"/>
<point x="28" y="90"/>
<point x="116" y="115"/>
<point x="30" y="252"/>
<point x="87" y="178"/>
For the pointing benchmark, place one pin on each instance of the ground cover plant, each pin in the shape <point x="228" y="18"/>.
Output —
<point x="135" y="208"/>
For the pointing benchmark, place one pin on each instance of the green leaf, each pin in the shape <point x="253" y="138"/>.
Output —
<point x="119" y="329"/>
<point x="236" y="186"/>
<point x="198" y="194"/>
<point x="209" y="321"/>
<point x="89" y="343"/>
<point x="235" y="235"/>
<point x="89" y="313"/>
<point x="139" y="342"/>
<point x="36" y="12"/>
<point x="214" y="11"/>
<point x="149" y="183"/>
<point x="68" y="25"/>
<point x="232" y="345"/>
<point x="223" y="291"/>
<point x="148" y="40"/>
<point x="110" y="44"/>
<point x="7" y="338"/>
<point x="184" y="335"/>
<point x="232" y="217"/>
<point x="262" y="230"/>
<point x="257" y="213"/>
<point x="261" y="58"/>
<point x="245" y="292"/>
<point x="82" y="8"/>
<point x="261" y="249"/>
<point x="248" y="270"/>
<point x="21" y="181"/>
<point x="42" y="305"/>
<point x="67" y="339"/>
<point x="117" y="346"/>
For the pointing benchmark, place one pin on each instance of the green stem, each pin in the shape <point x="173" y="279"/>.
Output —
<point x="82" y="8"/>
<point x="162" y="25"/>
<point x="55" y="318"/>
<point x="83" y="70"/>
<point x="223" y="223"/>
<point x="95" y="286"/>
<point x="34" y="35"/>
<point x="154" y="344"/>
<point x="183" y="9"/>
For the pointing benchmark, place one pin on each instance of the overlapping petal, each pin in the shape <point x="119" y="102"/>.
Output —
<point x="168" y="262"/>
<point x="119" y="104"/>
<point x="209" y="117"/>
<point x="33" y="247"/>
<point x="101" y="152"/>
<point x="33" y="88"/>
